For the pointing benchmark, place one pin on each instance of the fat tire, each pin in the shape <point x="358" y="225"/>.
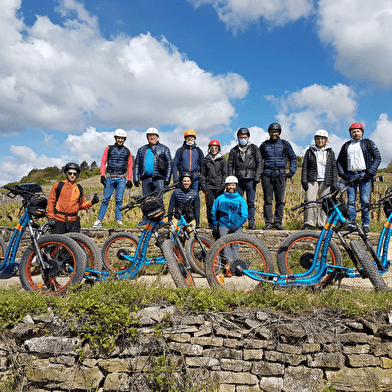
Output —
<point x="197" y="264"/>
<point x="45" y="284"/>
<point x="182" y="277"/>
<point x="107" y="263"/>
<point x="281" y="259"/>
<point x="91" y="250"/>
<point x="368" y="266"/>
<point x="214" y="255"/>
<point x="3" y="248"/>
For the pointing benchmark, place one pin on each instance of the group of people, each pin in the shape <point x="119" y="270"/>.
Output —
<point x="226" y="185"/>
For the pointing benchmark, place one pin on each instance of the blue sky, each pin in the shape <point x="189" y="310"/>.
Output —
<point x="72" y="72"/>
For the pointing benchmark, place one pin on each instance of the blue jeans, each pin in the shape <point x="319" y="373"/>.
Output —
<point x="249" y="187"/>
<point x="150" y="185"/>
<point x="364" y="194"/>
<point x="112" y="183"/>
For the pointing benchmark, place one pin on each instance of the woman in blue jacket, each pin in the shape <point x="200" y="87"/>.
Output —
<point x="229" y="213"/>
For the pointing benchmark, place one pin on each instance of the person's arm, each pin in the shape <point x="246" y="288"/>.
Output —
<point x="258" y="164"/>
<point x="130" y="167"/>
<point x="51" y="202"/>
<point x="197" y="209"/>
<point x="375" y="154"/>
<point x="292" y="159"/>
<point x="104" y="160"/>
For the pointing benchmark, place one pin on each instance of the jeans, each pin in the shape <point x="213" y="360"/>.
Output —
<point x="274" y="186"/>
<point x="112" y="183"/>
<point x="150" y="185"/>
<point x="249" y="187"/>
<point x="230" y="252"/>
<point x="364" y="194"/>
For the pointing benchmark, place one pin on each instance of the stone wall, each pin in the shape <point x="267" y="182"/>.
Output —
<point x="238" y="351"/>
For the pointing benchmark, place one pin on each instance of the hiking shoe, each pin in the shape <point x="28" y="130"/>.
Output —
<point x="306" y="226"/>
<point x="268" y="226"/>
<point x="278" y="226"/>
<point x="97" y="224"/>
<point x="366" y="229"/>
<point x="251" y="226"/>
<point x="120" y="223"/>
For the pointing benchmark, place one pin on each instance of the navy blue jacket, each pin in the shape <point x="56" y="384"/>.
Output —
<point x="370" y="153"/>
<point x="163" y="152"/>
<point x="188" y="158"/>
<point x="182" y="196"/>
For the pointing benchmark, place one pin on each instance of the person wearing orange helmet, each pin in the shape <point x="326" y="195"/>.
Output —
<point x="358" y="158"/>
<point x="212" y="176"/>
<point x="188" y="157"/>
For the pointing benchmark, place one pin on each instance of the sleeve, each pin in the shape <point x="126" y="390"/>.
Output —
<point x="176" y="162"/>
<point x="292" y="159"/>
<point x="85" y="205"/>
<point x="304" y="171"/>
<point x="224" y="173"/>
<point x="197" y="209"/>
<point x="104" y="160"/>
<point x="169" y="165"/>
<point x="341" y="161"/>
<point x="230" y="164"/>
<point x="243" y="212"/>
<point x="203" y="176"/>
<point x="334" y="169"/>
<point x="258" y="164"/>
<point x="51" y="202"/>
<point x="171" y="204"/>
<point x="376" y="156"/>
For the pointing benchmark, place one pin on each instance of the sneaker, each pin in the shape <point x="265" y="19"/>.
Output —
<point x="251" y="226"/>
<point x="366" y="229"/>
<point x="120" y="223"/>
<point x="278" y="226"/>
<point x="97" y="224"/>
<point x="306" y="226"/>
<point x="268" y="226"/>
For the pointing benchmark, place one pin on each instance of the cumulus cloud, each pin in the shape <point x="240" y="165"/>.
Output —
<point x="360" y="32"/>
<point x="381" y="136"/>
<point x="67" y="77"/>
<point x="239" y="14"/>
<point x="314" y="107"/>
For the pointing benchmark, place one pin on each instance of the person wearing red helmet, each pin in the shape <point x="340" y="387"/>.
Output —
<point x="213" y="173"/>
<point x="358" y="157"/>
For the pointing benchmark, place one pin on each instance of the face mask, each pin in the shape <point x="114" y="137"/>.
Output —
<point x="190" y="144"/>
<point x="243" y="142"/>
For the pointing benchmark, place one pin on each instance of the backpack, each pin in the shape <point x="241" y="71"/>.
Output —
<point x="60" y="187"/>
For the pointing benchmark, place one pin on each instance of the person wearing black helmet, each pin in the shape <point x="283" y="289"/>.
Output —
<point x="185" y="200"/>
<point x="358" y="158"/>
<point x="65" y="200"/>
<point x="245" y="164"/>
<point x="275" y="152"/>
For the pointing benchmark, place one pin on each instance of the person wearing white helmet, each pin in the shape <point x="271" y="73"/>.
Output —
<point x="117" y="162"/>
<point x="319" y="173"/>
<point x="229" y="213"/>
<point x="153" y="166"/>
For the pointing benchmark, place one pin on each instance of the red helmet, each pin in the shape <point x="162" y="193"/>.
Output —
<point x="214" y="143"/>
<point x="356" y="126"/>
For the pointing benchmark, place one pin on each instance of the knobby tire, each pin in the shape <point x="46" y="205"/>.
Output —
<point x="194" y="249"/>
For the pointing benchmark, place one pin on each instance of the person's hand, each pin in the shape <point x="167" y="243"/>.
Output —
<point x="129" y="184"/>
<point x="136" y="183"/>
<point x="103" y="180"/>
<point x="95" y="199"/>
<point x="52" y="223"/>
<point x="367" y="177"/>
<point x="305" y="186"/>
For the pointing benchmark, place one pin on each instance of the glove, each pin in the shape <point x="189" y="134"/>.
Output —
<point x="52" y="223"/>
<point x="136" y="183"/>
<point x="95" y="199"/>
<point x="166" y="183"/>
<point x="103" y="180"/>
<point x="367" y="177"/>
<point x="345" y="177"/>
<point x="129" y="184"/>
<point x="305" y="186"/>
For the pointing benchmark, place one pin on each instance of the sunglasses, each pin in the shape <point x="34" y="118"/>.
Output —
<point x="214" y="148"/>
<point x="72" y="173"/>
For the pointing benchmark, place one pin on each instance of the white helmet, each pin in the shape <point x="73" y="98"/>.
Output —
<point x="120" y="133"/>
<point x="321" y="133"/>
<point x="152" y="131"/>
<point x="231" y="180"/>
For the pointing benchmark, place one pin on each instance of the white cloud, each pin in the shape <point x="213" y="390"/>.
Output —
<point x="239" y="14"/>
<point x="314" y="107"/>
<point x="360" y="32"/>
<point x="67" y="77"/>
<point x="382" y="137"/>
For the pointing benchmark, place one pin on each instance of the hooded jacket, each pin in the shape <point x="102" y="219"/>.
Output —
<point x="213" y="173"/>
<point x="229" y="210"/>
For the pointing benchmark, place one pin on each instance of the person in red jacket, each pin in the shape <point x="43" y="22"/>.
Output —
<point x="65" y="200"/>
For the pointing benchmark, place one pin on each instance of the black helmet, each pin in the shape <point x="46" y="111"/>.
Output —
<point x="275" y="127"/>
<point x="185" y="173"/>
<point x="71" y="165"/>
<point x="243" y="131"/>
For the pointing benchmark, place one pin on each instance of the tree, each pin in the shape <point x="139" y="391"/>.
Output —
<point x="93" y="165"/>
<point x="84" y="166"/>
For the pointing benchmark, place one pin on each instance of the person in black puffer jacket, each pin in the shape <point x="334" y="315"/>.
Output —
<point x="212" y="176"/>
<point x="319" y="173"/>
<point x="245" y="164"/>
<point x="185" y="201"/>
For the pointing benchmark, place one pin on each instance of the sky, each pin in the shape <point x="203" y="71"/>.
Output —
<point x="72" y="72"/>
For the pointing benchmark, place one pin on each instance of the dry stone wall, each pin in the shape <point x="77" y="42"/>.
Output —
<point x="238" y="351"/>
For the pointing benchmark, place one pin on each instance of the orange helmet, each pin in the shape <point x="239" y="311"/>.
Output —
<point x="189" y="132"/>
<point x="356" y="126"/>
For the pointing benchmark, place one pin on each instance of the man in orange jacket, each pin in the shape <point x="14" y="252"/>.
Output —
<point x="65" y="200"/>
